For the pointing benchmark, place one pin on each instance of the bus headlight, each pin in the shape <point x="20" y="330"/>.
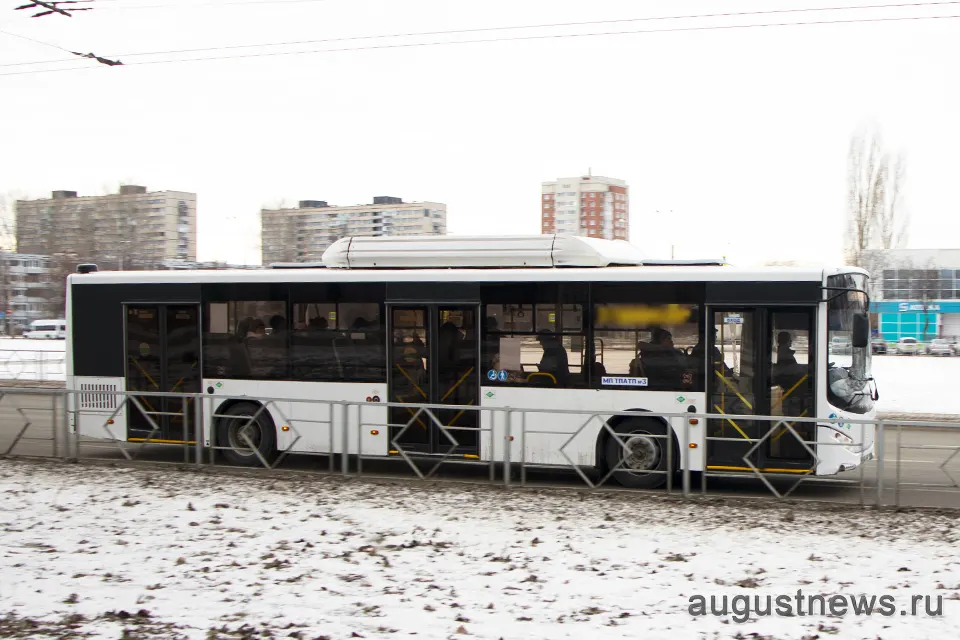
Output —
<point x="841" y="438"/>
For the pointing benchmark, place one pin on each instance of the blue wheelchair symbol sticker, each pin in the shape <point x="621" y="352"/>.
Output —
<point x="492" y="374"/>
<point x="503" y="376"/>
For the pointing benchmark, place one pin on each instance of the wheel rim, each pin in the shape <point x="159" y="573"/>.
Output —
<point x="642" y="453"/>
<point x="241" y="430"/>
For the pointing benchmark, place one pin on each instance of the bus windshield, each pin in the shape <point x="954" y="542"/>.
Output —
<point x="849" y="372"/>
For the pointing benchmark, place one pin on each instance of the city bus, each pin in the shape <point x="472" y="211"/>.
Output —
<point x="574" y="327"/>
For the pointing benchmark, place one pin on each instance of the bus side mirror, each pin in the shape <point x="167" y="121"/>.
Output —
<point x="861" y="331"/>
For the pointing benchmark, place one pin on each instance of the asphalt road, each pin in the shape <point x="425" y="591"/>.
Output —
<point x="922" y="483"/>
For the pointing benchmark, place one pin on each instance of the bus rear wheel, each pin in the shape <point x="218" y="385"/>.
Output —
<point x="641" y="460"/>
<point x="246" y="430"/>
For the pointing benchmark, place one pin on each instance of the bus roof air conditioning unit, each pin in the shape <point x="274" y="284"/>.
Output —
<point x="451" y="252"/>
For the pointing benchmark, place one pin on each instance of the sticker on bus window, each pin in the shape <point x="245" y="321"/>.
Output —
<point x="617" y="381"/>
<point x="332" y="316"/>
<point x="733" y="319"/>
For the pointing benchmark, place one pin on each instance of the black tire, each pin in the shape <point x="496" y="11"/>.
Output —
<point x="650" y="454"/>
<point x="261" y="432"/>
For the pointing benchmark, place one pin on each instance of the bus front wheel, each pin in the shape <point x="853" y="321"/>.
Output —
<point x="246" y="430"/>
<point x="641" y="459"/>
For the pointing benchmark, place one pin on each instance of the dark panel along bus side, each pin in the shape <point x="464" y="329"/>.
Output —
<point x="98" y="321"/>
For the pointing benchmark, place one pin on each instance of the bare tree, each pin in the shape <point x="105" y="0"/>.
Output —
<point x="893" y="219"/>
<point x="876" y="214"/>
<point x="923" y="288"/>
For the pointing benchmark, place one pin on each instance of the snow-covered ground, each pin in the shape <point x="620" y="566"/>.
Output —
<point x="163" y="553"/>
<point x="917" y="384"/>
<point x="908" y="384"/>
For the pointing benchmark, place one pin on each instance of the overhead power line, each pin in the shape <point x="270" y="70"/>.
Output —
<point x="100" y="59"/>
<point x="505" y="39"/>
<point x="587" y="23"/>
<point x="193" y="4"/>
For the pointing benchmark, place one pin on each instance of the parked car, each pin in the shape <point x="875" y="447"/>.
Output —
<point x="908" y="346"/>
<point x="841" y="345"/>
<point x="878" y="345"/>
<point x="939" y="347"/>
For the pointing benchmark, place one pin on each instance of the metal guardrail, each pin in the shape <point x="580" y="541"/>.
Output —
<point x="32" y="364"/>
<point x="36" y="422"/>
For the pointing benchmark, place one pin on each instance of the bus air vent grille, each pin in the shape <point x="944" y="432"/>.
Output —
<point x="99" y="396"/>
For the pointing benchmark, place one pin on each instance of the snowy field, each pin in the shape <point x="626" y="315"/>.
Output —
<point x="102" y="552"/>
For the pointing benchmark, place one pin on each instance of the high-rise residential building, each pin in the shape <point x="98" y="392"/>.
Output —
<point x="132" y="229"/>
<point x="304" y="233"/>
<point x="592" y="206"/>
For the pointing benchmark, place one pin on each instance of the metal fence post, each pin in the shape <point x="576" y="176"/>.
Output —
<point x="507" y="471"/>
<point x="344" y="460"/>
<point x="55" y="427"/>
<point x="198" y="428"/>
<point x="68" y="441"/>
<point x="40" y="364"/>
<point x="493" y="445"/>
<point x="685" y="459"/>
<point x="881" y="453"/>
<point x="896" y="493"/>
<point x="359" y="440"/>
<point x="670" y="469"/>
<point x="185" y="412"/>
<point x="213" y="430"/>
<point x="523" y="449"/>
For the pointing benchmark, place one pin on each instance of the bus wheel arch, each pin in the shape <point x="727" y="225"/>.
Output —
<point x="651" y="451"/>
<point x="233" y="428"/>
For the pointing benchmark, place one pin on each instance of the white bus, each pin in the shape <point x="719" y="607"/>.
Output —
<point x="565" y="323"/>
<point x="47" y="330"/>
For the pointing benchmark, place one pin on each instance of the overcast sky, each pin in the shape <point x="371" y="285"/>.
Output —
<point x="738" y="137"/>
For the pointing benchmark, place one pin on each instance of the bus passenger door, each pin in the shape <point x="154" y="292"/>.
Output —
<point x="434" y="359"/>
<point x="733" y="386"/>
<point x="163" y="356"/>
<point x="761" y="364"/>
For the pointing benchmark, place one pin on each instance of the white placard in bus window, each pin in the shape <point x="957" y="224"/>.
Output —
<point x="218" y="318"/>
<point x="618" y="381"/>
<point x="510" y="354"/>
<point x="733" y="319"/>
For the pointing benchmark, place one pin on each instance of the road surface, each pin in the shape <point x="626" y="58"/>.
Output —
<point x="922" y="482"/>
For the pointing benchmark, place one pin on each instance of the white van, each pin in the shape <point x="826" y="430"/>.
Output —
<point x="47" y="330"/>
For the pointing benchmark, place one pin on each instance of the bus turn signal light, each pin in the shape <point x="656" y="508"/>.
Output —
<point x="694" y="421"/>
<point x="284" y="428"/>
<point x="693" y="445"/>
<point x="110" y="421"/>
<point x="374" y="432"/>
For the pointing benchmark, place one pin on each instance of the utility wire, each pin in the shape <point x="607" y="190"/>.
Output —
<point x="92" y="56"/>
<point x="515" y="39"/>
<point x="517" y="27"/>
<point x="41" y="42"/>
<point x="192" y="5"/>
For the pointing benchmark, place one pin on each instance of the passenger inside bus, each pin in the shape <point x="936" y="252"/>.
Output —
<point x="663" y="363"/>
<point x="554" y="360"/>
<point x="716" y="358"/>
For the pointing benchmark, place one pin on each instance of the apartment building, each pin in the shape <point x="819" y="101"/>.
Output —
<point x="132" y="229"/>
<point x="592" y="206"/>
<point x="304" y="233"/>
<point x="29" y="290"/>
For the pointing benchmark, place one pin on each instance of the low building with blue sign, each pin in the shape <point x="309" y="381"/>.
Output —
<point x="915" y="293"/>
